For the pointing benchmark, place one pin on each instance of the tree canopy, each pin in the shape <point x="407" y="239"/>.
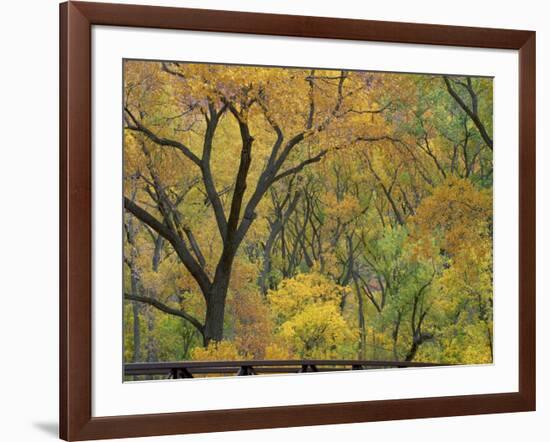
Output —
<point x="285" y="213"/>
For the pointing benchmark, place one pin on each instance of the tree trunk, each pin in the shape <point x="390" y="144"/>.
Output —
<point x="134" y="287"/>
<point x="395" y="336"/>
<point x="266" y="264"/>
<point x="215" y="300"/>
<point x="361" y="320"/>
<point x="362" y="326"/>
<point x="151" y="342"/>
<point x="136" y="356"/>
<point x="418" y="340"/>
<point x="213" y="322"/>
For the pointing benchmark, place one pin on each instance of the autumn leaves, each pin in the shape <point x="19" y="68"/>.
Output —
<point x="306" y="214"/>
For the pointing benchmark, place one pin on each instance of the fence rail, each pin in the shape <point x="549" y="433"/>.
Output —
<point x="190" y="369"/>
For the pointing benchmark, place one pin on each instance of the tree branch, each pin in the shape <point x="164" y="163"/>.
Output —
<point x="472" y="113"/>
<point x="166" y="309"/>
<point x="242" y="173"/>
<point x="207" y="178"/>
<point x="139" y="127"/>
<point x="299" y="167"/>
<point x="177" y="243"/>
<point x="195" y="246"/>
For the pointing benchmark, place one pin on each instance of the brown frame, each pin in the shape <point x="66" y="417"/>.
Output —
<point x="76" y="421"/>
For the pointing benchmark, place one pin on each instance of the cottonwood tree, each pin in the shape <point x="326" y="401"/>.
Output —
<point x="286" y="119"/>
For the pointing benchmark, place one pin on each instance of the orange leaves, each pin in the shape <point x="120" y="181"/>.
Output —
<point x="456" y="212"/>
<point x="252" y="323"/>
<point x="344" y="210"/>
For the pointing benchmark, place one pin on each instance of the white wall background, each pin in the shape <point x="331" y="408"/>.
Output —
<point x="29" y="218"/>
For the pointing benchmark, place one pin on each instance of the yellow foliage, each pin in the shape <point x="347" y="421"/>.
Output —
<point x="295" y="294"/>
<point x="217" y="351"/>
<point x="308" y="311"/>
<point x="317" y="332"/>
<point x="277" y="352"/>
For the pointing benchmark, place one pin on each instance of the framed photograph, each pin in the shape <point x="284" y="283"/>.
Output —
<point x="272" y="220"/>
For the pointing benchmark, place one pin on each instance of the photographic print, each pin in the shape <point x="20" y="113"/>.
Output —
<point x="298" y="219"/>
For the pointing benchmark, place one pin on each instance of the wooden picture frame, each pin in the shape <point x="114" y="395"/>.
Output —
<point x="76" y="21"/>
